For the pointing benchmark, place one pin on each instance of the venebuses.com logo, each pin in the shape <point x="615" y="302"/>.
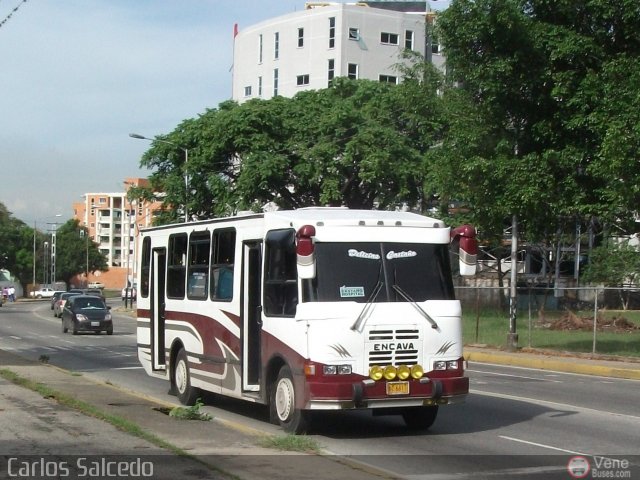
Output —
<point x="599" y="467"/>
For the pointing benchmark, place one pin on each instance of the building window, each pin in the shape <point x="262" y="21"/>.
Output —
<point x="260" y="86"/>
<point x="408" y="39"/>
<point x="332" y="32"/>
<point x="247" y="91"/>
<point x="435" y="44"/>
<point x="275" y="82"/>
<point x="300" y="37"/>
<point x="389" y="38"/>
<point x="302" y="80"/>
<point x="388" y="79"/>
<point x="276" y="45"/>
<point x="331" y="71"/>
<point x="354" y="34"/>
<point x="352" y="71"/>
<point x="260" y="44"/>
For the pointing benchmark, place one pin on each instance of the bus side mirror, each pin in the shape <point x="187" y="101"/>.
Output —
<point x="305" y="257"/>
<point x="468" y="248"/>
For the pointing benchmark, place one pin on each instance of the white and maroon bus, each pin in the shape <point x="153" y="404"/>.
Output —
<point x="312" y="309"/>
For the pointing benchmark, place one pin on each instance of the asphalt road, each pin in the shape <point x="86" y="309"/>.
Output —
<point x="521" y="419"/>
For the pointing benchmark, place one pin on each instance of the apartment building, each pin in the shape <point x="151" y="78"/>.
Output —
<point x="305" y="50"/>
<point x="114" y="223"/>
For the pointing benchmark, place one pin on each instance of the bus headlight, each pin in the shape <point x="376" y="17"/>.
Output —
<point x="440" y="365"/>
<point x="336" y="369"/>
<point x="452" y="365"/>
<point x="417" y="371"/>
<point x="375" y="372"/>
<point x="390" y="372"/>
<point x="403" y="372"/>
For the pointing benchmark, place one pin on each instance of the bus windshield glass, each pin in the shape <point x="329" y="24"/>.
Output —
<point x="366" y="271"/>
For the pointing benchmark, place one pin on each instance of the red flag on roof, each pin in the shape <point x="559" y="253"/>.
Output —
<point x="235" y="30"/>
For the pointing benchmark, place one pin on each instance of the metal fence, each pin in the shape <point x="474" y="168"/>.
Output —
<point x="591" y="319"/>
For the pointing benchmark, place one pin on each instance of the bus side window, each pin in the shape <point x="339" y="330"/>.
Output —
<point x="198" y="273"/>
<point x="176" y="268"/>
<point x="222" y="264"/>
<point x="280" y="285"/>
<point x="145" y="267"/>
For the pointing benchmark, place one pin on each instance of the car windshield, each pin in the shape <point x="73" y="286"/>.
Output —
<point x="89" y="304"/>
<point x="352" y="271"/>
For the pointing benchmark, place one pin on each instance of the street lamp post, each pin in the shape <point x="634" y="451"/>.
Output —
<point x="186" y="161"/>
<point x="35" y="229"/>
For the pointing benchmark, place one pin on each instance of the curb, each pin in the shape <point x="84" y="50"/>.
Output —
<point x="569" y="365"/>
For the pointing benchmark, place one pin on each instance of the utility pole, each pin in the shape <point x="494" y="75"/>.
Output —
<point x="512" y="336"/>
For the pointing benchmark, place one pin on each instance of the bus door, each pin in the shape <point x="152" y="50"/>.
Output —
<point x="251" y="324"/>
<point x="157" y="289"/>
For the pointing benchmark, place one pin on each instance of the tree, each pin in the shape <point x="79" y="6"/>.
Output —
<point x="358" y="143"/>
<point x="555" y="84"/>
<point x="71" y="252"/>
<point x="16" y="247"/>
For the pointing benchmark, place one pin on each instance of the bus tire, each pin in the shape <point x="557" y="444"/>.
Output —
<point x="420" y="418"/>
<point x="186" y="393"/>
<point x="282" y="403"/>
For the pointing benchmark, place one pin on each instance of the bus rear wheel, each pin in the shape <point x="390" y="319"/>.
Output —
<point x="186" y="393"/>
<point x="420" y="418"/>
<point x="282" y="404"/>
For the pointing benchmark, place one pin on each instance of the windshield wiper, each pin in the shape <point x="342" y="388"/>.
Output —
<point x="406" y="296"/>
<point x="359" y="323"/>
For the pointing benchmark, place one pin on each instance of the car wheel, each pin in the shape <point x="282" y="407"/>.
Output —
<point x="186" y="393"/>
<point x="64" y="328"/>
<point x="110" y="331"/>
<point x="282" y="404"/>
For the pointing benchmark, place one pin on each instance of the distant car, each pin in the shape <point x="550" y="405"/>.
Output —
<point x="42" y="293"/>
<point x="59" y="305"/>
<point x="129" y="292"/>
<point x="55" y="297"/>
<point x="86" y="313"/>
<point x="95" y="285"/>
<point x="89" y="291"/>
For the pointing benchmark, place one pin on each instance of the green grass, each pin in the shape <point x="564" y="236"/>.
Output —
<point x="490" y="327"/>
<point x="290" y="443"/>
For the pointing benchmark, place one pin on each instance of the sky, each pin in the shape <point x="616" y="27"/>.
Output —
<point x="77" y="76"/>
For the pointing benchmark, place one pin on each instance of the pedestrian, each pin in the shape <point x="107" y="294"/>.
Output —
<point x="12" y="293"/>
<point x="5" y="293"/>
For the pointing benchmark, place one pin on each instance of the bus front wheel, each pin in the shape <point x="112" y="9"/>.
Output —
<point x="186" y="393"/>
<point x="282" y="404"/>
<point x="420" y="418"/>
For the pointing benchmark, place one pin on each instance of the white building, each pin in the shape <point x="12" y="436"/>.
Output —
<point x="305" y="50"/>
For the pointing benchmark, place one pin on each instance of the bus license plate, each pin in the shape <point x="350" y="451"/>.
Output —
<point x="398" y="388"/>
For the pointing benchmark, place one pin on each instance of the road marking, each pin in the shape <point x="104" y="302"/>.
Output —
<point x="541" y="445"/>
<point x="538" y="401"/>
<point x="516" y="376"/>
<point x="127" y="368"/>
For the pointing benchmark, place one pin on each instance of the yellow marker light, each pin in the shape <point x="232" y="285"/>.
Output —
<point x="375" y="372"/>
<point x="390" y="372"/>
<point x="403" y="372"/>
<point x="417" y="371"/>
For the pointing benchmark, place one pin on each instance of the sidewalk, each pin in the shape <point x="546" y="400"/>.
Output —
<point x="585" y="364"/>
<point x="231" y="451"/>
<point x="219" y="449"/>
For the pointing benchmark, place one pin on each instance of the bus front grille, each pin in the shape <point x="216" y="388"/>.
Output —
<point x="393" y="347"/>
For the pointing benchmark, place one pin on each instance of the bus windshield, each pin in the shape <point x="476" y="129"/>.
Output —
<point x="366" y="271"/>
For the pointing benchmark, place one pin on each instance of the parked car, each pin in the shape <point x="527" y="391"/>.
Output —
<point x="129" y="292"/>
<point x="86" y="313"/>
<point x="95" y="285"/>
<point x="55" y="297"/>
<point x="59" y="305"/>
<point x="42" y="293"/>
